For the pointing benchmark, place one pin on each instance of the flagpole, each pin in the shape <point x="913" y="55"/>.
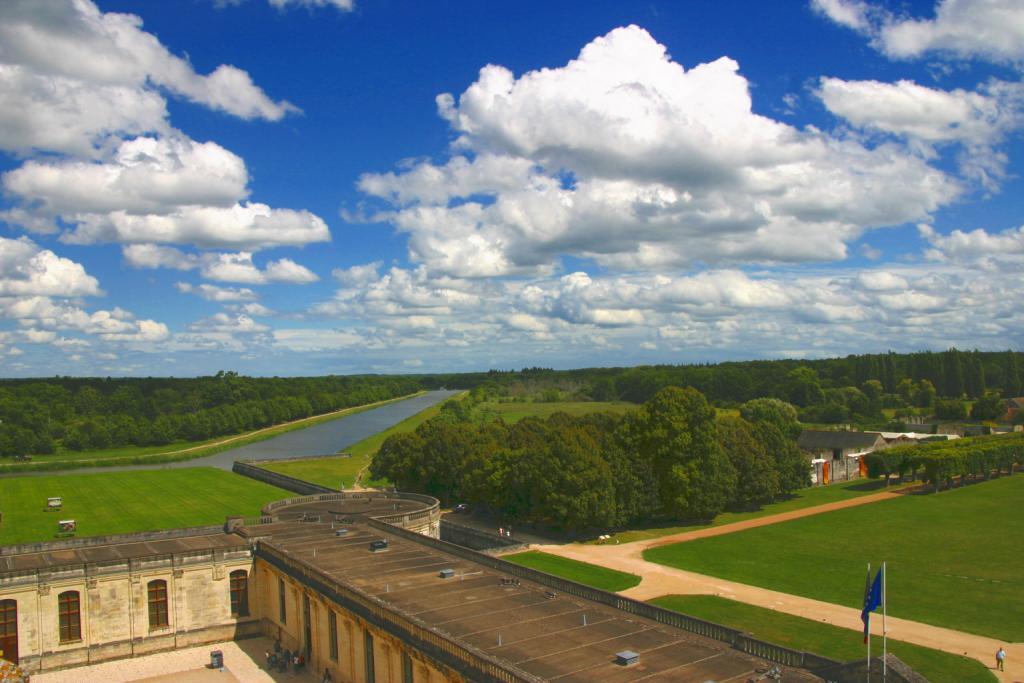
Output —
<point x="867" y="626"/>
<point x="884" y="598"/>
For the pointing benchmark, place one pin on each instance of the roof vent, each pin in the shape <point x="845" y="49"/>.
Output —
<point x="626" y="658"/>
<point x="446" y="573"/>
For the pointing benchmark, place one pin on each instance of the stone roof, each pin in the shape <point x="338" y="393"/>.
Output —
<point x="812" y="439"/>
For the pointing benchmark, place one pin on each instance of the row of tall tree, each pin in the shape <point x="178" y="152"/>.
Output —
<point x="951" y="374"/>
<point x="942" y="461"/>
<point x="671" y="458"/>
<point x="87" y="414"/>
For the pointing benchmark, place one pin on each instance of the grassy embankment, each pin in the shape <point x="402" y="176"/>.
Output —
<point x="953" y="558"/>
<point x="126" y="502"/>
<point x="174" y="452"/>
<point x="824" y="639"/>
<point x="344" y="470"/>
<point x="804" y="498"/>
<point x="574" y="570"/>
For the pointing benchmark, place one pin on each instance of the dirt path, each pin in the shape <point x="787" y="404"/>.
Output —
<point x="658" y="580"/>
<point x="763" y="521"/>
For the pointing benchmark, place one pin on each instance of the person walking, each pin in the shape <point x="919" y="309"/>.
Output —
<point x="1000" y="658"/>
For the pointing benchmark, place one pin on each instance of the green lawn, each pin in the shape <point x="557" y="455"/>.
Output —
<point x="804" y="498"/>
<point x="581" y="572"/>
<point x="335" y="470"/>
<point x="514" y="412"/>
<point x="125" y="502"/>
<point x="954" y="557"/>
<point x="825" y="639"/>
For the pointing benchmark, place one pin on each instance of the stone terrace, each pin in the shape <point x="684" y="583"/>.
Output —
<point x="529" y="626"/>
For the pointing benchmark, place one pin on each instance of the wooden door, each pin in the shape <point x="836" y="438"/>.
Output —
<point x="9" y="630"/>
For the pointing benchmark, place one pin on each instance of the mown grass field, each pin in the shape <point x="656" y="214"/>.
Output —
<point x="825" y="639"/>
<point x="172" y="452"/>
<point x="125" y="502"/>
<point x="804" y="498"/>
<point x="581" y="572"/>
<point x="954" y="558"/>
<point x="514" y="412"/>
<point x="336" y="470"/>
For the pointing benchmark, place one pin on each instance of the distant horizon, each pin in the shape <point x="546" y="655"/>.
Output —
<point x="315" y="187"/>
<point x="512" y="370"/>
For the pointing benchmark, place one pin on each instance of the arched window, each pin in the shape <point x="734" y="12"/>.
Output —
<point x="157" y="595"/>
<point x="69" y="616"/>
<point x="239" y="593"/>
<point x="9" y="630"/>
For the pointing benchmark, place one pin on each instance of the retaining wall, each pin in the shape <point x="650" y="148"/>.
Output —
<point x="475" y="539"/>
<point x="277" y="479"/>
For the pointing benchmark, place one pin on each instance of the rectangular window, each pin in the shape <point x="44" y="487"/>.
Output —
<point x="368" y="657"/>
<point x="332" y="630"/>
<point x="282" y="614"/>
<point x="157" y="594"/>
<point x="239" y="593"/>
<point x="406" y="668"/>
<point x="69" y="616"/>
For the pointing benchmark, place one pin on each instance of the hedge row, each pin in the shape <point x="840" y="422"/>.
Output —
<point x="944" y="460"/>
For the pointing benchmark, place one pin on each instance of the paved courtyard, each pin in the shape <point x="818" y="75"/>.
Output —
<point x="243" y="662"/>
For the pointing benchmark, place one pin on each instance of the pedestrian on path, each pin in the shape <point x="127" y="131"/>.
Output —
<point x="1000" y="658"/>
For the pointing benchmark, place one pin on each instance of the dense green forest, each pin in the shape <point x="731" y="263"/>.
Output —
<point x="834" y="390"/>
<point x="87" y="413"/>
<point x="40" y="416"/>
<point x="670" y="458"/>
<point x="952" y="374"/>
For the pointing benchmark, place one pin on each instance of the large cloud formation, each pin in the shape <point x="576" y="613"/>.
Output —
<point x="70" y="74"/>
<point x="90" y="86"/>
<point x="625" y="157"/>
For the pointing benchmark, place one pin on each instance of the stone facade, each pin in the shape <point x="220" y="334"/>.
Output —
<point x="363" y="653"/>
<point x="113" y="610"/>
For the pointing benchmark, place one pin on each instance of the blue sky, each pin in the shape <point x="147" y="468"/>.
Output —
<point x="284" y="187"/>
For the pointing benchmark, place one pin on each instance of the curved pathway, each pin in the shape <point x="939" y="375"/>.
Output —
<point x="658" y="580"/>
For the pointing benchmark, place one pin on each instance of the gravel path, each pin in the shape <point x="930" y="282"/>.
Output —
<point x="658" y="580"/>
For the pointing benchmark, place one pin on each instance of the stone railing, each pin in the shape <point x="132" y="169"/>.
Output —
<point x="142" y="537"/>
<point x="134" y="565"/>
<point x="430" y="504"/>
<point x="476" y="539"/>
<point x="277" y="479"/>
<point x="471" y="662"/>
<point x="734" y="637"/>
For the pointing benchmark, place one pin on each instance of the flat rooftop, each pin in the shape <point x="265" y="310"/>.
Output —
<point x="551" y="635"/>
<point x="120" y="550"/>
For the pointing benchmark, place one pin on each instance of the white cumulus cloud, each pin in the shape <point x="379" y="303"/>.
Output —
<point x="28" y="270"/>
<point x="625" y="157"/>
<point x="71" y="74"/>
<point x="991" y="30"/>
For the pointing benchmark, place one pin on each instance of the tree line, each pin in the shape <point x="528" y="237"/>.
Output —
<point x="835" y="390"/>
<point x="37" y="416"/>
<point x="942" y="461"/>
<point x="670" y="458"/>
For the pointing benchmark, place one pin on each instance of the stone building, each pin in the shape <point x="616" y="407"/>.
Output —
<point x="838" y="455"/>
<point x="361" y="586"/>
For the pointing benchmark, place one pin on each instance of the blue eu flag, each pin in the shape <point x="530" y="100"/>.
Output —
<point x="872" y="599"/>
